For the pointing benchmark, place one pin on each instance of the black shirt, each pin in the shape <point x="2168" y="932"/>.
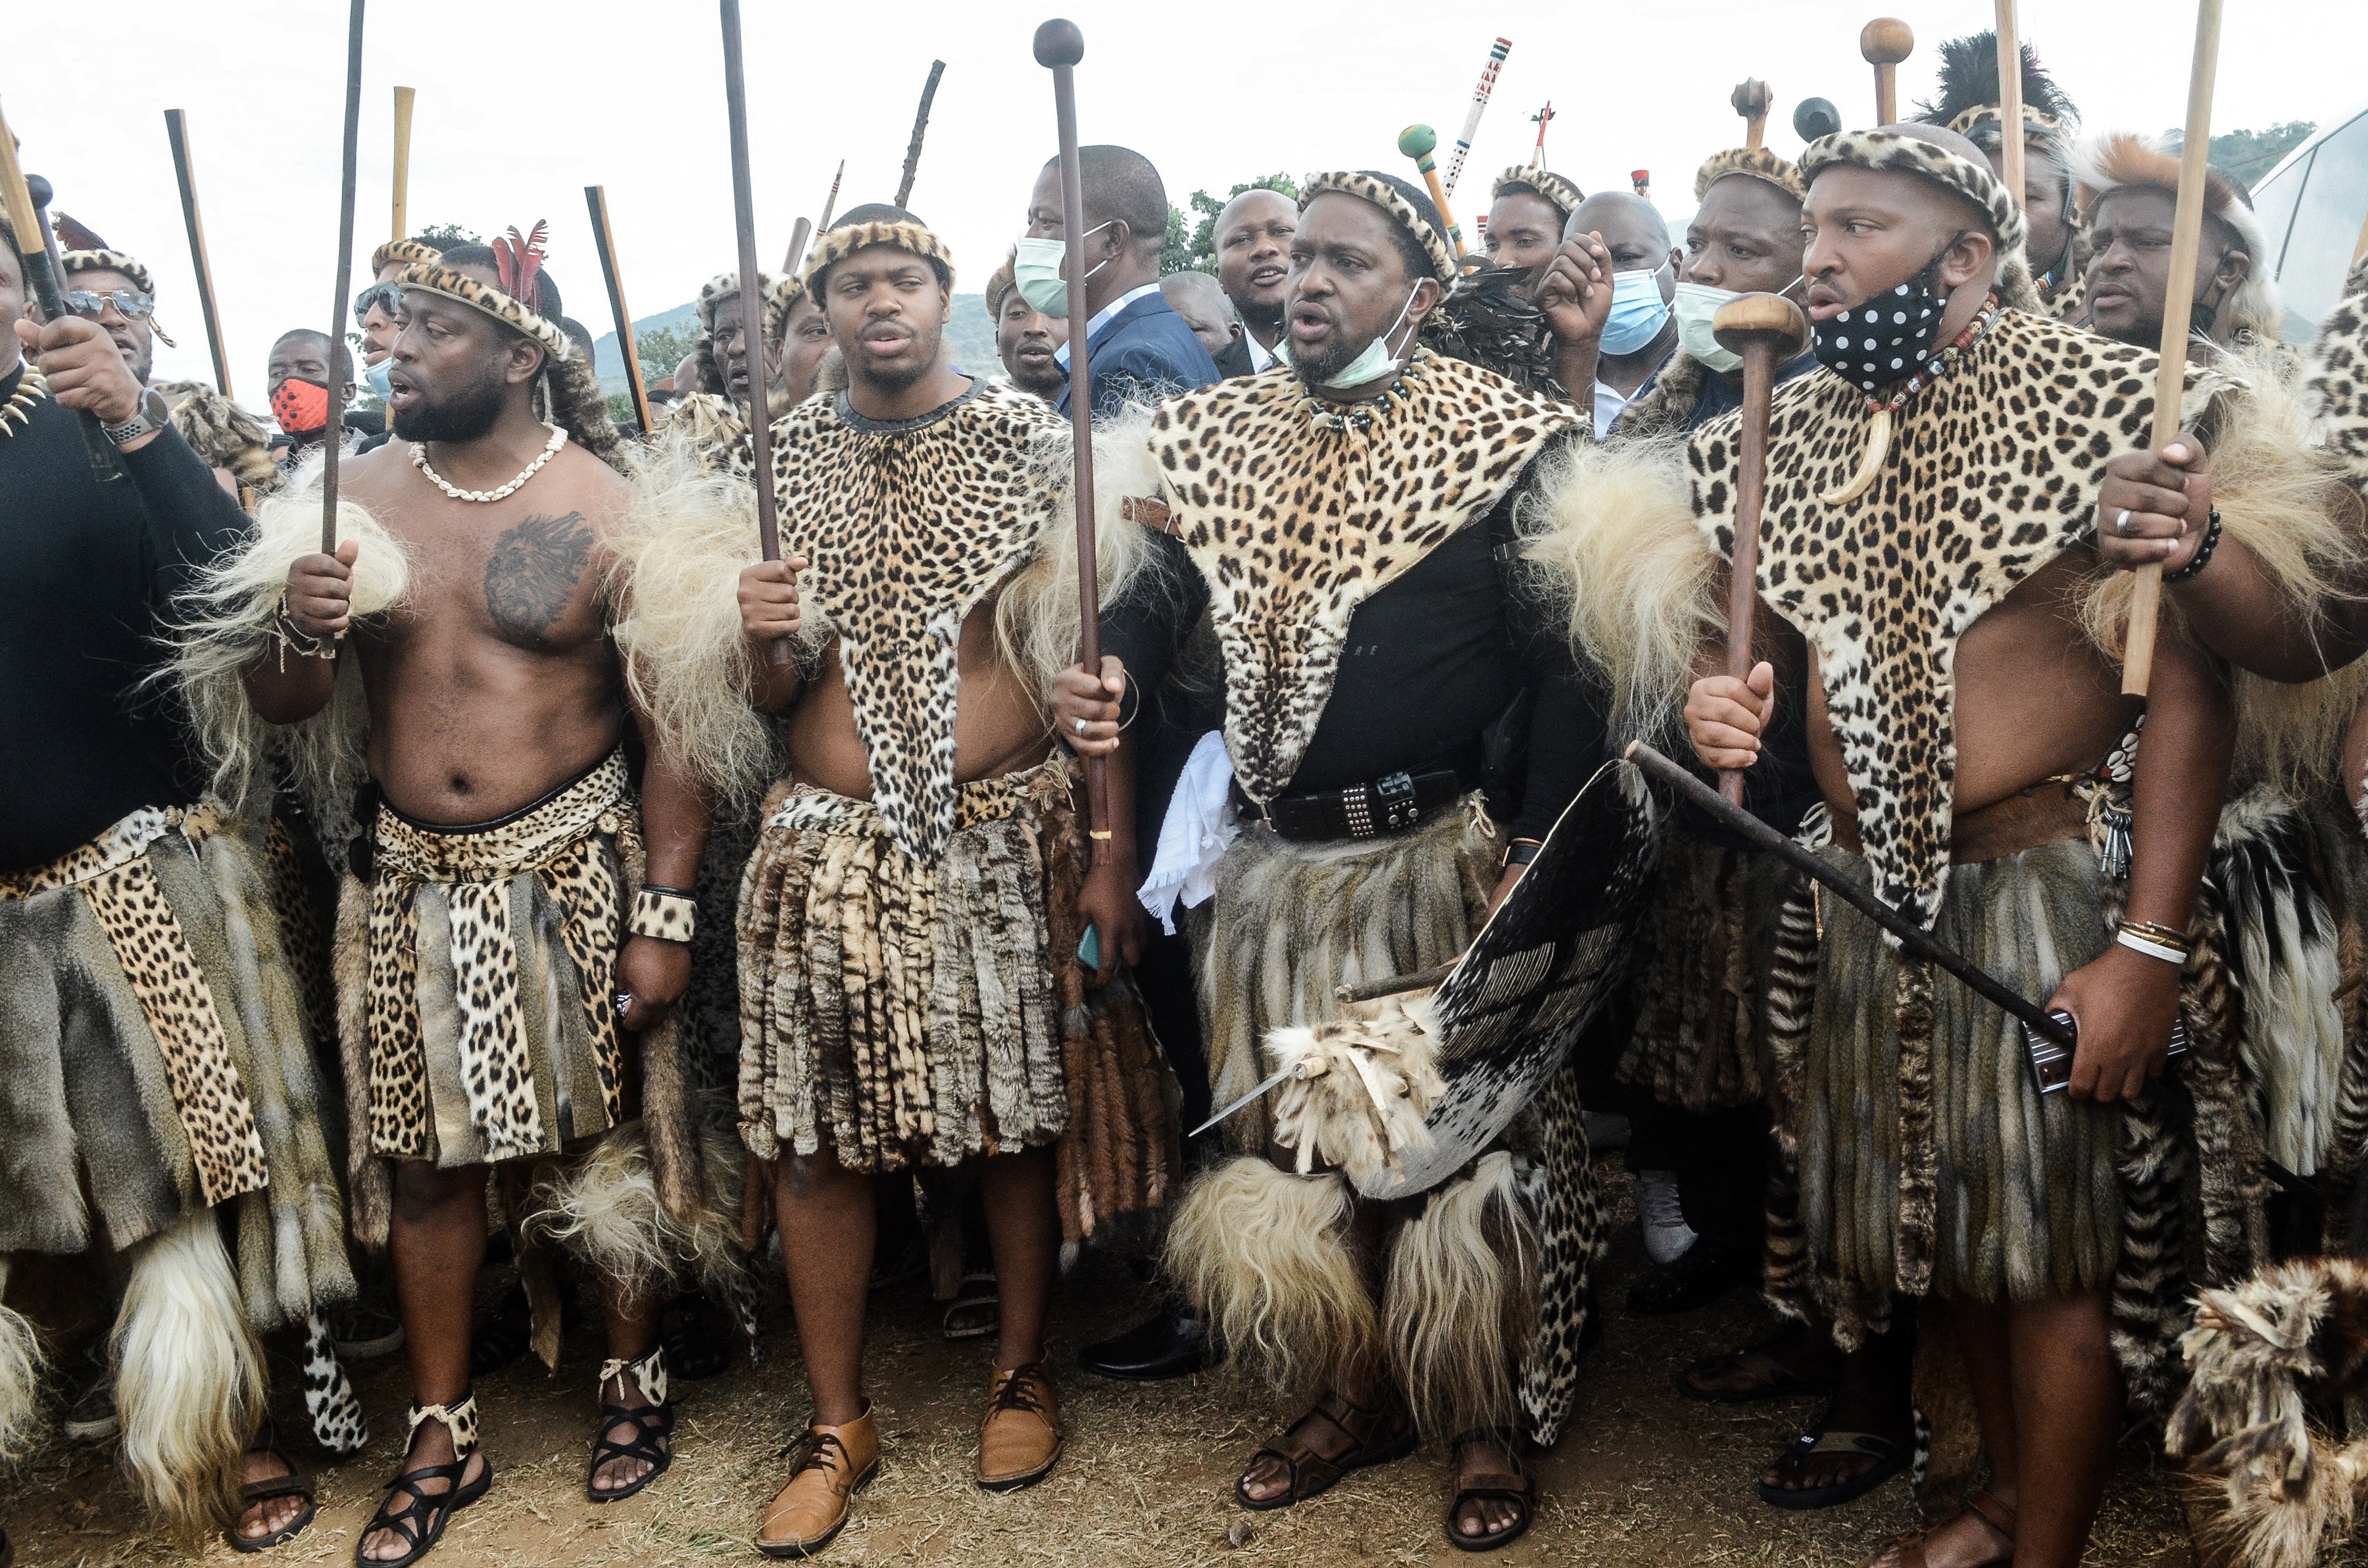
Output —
<point x="88" y="573"/>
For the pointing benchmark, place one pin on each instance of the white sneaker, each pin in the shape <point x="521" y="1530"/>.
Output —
<point x="1667" y="1234"/>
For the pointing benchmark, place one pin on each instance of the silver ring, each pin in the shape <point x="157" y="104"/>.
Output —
<point x="621" y="1000"/>
<point x="1081" y="726"/>
<point x="2122" y="523"/>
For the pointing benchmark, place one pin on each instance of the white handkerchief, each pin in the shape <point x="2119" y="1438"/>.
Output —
<point x="1195" y="834"/>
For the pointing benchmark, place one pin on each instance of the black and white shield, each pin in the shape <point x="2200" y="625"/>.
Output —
<point x="1541" y="968"/>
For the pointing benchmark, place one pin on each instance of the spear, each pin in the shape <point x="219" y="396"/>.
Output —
<point x="744" y="214"/>
<point x="596" y="199"/>
<point x="330" y="438"/>
<point x="920" y="128"/>
<point x="177" y="131"/>
<point x="2178" y="307"/>
<point x="1497" y="52"/>
<point x="830" y="202"/>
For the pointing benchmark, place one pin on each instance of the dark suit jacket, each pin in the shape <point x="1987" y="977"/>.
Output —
<point x="1232" y="361"/>
<point x="1145" y="352"/>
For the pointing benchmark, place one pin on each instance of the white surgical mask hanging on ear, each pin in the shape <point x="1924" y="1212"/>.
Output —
<point x="1371" y="363"/>
<point x="1036" y="272"/>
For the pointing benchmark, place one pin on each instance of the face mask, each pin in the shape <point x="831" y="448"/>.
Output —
<point x="300" y="406"/>
<point x="1697" y="304"/>
<point x="1371" y="363"/>
<point x="1887" y="339"/>
<point x="1638" y="311"/>
<point x="377" y="378"/>
<point x="1036" y="273"/>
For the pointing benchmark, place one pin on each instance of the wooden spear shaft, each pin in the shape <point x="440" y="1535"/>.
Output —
<point x="752" y="300"/>
<point x="596" y="199"/>
<point x="798" y="238"/>
<point x="2009" y="66"/>
<point x="2178" y="307"/>
<point x="401" y="214"/>
<point x="26" y="197"/>
<point x="920" y="128"/>
<point x="1060" y="45"/>
<point x="177" y="131"/>
<point x="330" y="438"/>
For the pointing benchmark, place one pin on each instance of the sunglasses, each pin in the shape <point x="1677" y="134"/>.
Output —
<point x="130" y="303"/>
<point x="386" y="296"/>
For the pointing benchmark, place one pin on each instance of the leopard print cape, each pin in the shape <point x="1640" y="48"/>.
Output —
<point x="2336" y="377"/>
<point x="1993" y="473"/>
<point x="113" y="874"/>
<point x="907" y="529"/>
<point x="562" y="842"/>
<point x="1294" y="523"/>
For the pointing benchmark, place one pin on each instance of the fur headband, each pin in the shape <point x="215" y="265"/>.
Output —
<point x="407" y="251"/>
<point x="1521" y="179"/>
<point x="1751" y="162"/>
<point x="1368" y="188"/>
<point x="781" y="298"/>
<point x="2116" y="159"/>
<point x="843" y="240"/>
<point x="715" y="291"/>
<point x="429" y="278"/>
<point x="110" y="261"/>
<point x="1888" y="151"/>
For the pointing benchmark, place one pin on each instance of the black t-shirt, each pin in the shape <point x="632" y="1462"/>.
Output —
<point x="88" y="573"/>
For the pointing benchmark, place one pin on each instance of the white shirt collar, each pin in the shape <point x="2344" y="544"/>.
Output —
<point x="1260" y="355"/>
<point x="1102" y="319"/>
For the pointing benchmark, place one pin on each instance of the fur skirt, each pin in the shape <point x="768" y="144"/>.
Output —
<point x="1700" y="991"/>
<point x="914" y="1016"/>
<point x="154" y="1060"/>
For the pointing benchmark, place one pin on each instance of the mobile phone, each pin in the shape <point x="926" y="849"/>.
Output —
<point x="2050" y="1064"/>
<point x="1089" y="947"/>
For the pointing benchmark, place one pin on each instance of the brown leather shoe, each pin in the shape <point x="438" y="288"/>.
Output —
<point x="1020" y="1441"/>
<point x="833" y="1463"/>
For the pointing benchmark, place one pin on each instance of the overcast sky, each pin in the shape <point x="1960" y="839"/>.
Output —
<point x="522" y="106"/>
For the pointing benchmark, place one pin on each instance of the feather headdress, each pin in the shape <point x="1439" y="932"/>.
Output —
<point x="517" y="261"/>
<point x="1970" y="94"/>
<point x="75" y="235"/>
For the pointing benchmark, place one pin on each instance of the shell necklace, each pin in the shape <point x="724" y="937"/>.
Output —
<point x="550" y="450"/>
<point x="18" y="411"/>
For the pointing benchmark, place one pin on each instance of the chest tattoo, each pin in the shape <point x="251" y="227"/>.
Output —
<point x="534" y="574"/>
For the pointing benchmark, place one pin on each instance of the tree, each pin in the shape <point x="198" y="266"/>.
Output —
<point x="2245" y="156"/>
<point x="661" y="348"/>
<point x="1200" y="254"/>
<point x="1174" y="251"/>
<point x="450" y="234"/>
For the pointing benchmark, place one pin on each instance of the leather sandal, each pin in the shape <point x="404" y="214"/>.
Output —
<point x="1998" y="1516"/>
<point x="1379" y="1435"/>
<point x="652" y="1424"/>
<point x="295" y="1484"/>
<point x="1516" y="1485"/>
<point x="1020" y="1441"/>
<point x="833" y="1463"/>
<point x="420" y="1522"/>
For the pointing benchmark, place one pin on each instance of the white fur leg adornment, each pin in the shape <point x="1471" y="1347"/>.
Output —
<point x="459" y="1420"/>
<point x="649" y="1373"/>
<point x="1360" y="1087"/>
<point x="188" y="1376"/>
<point x="20" y="1375"/>
<point x="1461" y="1299"/>
<point x="1263" y="1255"/>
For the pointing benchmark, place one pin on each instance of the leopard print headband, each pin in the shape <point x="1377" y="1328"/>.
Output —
<point x="1751" y="162"/>
<point x="1349" y="182"/>
<point x="844" y="240"/>
<point x="405" y="251"/>
<point x="429" y="278"/>
<point x="1888" y="151"/>
<point x="110" y="261"/>
<point x="1560" y="192"/>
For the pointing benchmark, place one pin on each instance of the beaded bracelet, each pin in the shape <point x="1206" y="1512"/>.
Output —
<point x="2202" y="557"/>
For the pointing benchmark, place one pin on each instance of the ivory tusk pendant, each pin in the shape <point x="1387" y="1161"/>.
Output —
<point x="1878" y="447"/>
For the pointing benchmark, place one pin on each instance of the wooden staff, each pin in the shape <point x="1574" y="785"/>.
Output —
<point x="1914" y="940"/>
<point x="330" y="437"/>
<point x="403" y="97"/>
<point x="1059" y="47"/>
<point x="2178" y="307"/>
<point x="744" y="214"/>
<point x="798" y="238"/>
<point x="1418" y="142"/>
<point x="2009" y="66"/>
<point x="1814" y="117"/>
<point x="920" y="128"/>
<point x="1766" y="330"/>
<point x="24" y="197"/>
<point x="1497" y="52"/>
<point x="177" y="131"/>
<point x="1885" y="43"/>
<point x="1542" y="118"/>
<point x="595" y="197"/>
<point x="1752" y="100"/>
<point x="830" y="202"/>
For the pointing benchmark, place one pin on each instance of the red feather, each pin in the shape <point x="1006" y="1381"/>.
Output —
<point x="517" y="261"/>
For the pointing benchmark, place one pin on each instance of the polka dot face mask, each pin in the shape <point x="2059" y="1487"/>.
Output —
<point x="1888" y="338"/>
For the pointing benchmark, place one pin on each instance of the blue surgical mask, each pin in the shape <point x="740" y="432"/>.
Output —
<point x="376" y="375"/>
<point x="1371" y="363"/>
<point x="1638" y="311"/>
<point x="1036" y="273"/>
<point x="1697" y="305"/>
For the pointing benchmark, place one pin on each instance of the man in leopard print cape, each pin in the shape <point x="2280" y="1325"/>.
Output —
<point x="514" y="926"/>
<point x="1350" y="515"/>
<point x="159" y="1102"/>
<point x="1928" y="535"/>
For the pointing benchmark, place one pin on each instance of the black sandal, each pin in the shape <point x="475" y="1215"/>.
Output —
<point x="421" y="1521"/>
<point x="1517" y="1486"/>
<point x="295" y="1484"/>
<point x="1312" y="1474"/>
<point x="653" y="1424"/>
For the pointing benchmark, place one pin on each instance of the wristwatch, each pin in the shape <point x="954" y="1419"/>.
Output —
<point x="150" y="418"/>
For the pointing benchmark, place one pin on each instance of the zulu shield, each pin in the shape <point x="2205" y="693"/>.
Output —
<point x="1538" y="972"/>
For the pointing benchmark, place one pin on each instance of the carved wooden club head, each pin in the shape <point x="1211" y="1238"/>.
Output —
<point x="1814" y="117"/>
<point x="1770" y="319"/>
<point x="1058" y="43"/>
<point x="1751" y="97"/>
<point x="1418" y="141"/>
<point x="1886" y="40"/>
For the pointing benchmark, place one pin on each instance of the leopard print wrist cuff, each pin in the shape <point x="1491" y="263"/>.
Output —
<point x="668" y="915"/>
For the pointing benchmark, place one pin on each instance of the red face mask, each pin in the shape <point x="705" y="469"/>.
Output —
<point x="300" y="406"/>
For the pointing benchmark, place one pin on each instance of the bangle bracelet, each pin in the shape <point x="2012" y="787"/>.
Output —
<point x="663" y="915"/>
<point x="2164" y="936"/>
<point x="2152" y="950"/>
<point x="2203" y="556"/>
<point x="1520" y="852"/>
